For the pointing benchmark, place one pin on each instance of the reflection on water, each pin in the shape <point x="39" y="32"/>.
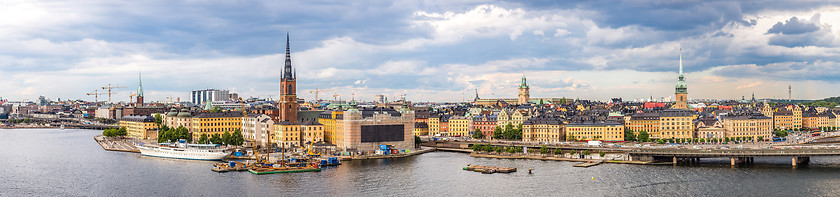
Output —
<point x="46" y="162"/>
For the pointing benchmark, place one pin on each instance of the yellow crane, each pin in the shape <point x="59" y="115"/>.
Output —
<point x="177" y="99"/>
<point x="335" y="97"/>
<point x="316" y="91"/>
<point x="95" y="94"/>
<point x="131" y="97"/>
<point x="111" y="87"/>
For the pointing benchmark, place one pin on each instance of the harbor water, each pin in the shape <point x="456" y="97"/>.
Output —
<point x="54" y="162"/>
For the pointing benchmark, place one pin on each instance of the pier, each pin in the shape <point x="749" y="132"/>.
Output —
<point x="122" y="145"/>
<point x="736" y="156"/>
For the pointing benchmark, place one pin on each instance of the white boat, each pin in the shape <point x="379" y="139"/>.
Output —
<point x="183" y="150"/>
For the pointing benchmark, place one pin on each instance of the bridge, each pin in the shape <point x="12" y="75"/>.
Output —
<point x="736" y="156"/>
<point x="531" y="146"/>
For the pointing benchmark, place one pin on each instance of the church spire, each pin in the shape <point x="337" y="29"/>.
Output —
<point x="287" y="70"/>
<point x="140" y="84"/>
<point x="681" y="70"/>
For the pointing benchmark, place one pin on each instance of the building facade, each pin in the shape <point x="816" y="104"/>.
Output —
<point x="140" y="127"/>
<point x="602" y="130"/>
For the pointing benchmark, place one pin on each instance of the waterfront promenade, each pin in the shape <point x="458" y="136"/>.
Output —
<point x="117" y="144"/>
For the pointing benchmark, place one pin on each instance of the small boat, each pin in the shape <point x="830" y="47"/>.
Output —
<point x="274" y="170"/>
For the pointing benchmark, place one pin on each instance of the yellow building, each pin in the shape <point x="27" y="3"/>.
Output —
<point x="294" y="135"/>
<point x="751" y="126"/>
<point x="676" y="124"/>
<point x="814" y="120"/>
<point x="215" y="123"/>
<point x="434" y="125"/>
<point x="287" y="134"/>
<point x="606" y="131"/>
<point x="333" y="122"/>
<point x="543" y="129"/>
<point x="421" y="129"/>
<point x="648" y="122"/>
<point x="783" y="119"/>
<point x="514" y="117"/>
<point x="459" y="126"/>
<point x="797" y="115"/>
<point x="140" y="127"/>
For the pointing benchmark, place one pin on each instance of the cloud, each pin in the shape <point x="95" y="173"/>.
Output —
<point x="795" y="26"/>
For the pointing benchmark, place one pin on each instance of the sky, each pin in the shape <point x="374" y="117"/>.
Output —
<point x="435" y="50"/>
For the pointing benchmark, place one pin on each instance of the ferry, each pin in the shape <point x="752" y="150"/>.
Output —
<point x="183" y="150"/>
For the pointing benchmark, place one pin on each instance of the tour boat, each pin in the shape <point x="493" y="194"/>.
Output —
<point x="183" y="150"/>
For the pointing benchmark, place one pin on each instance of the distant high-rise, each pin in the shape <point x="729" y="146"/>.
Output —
<point x="200" y="97"/>
<point x="524" y="92"/>
<point x="288" y="93"/>
<point x="681" y="89"/>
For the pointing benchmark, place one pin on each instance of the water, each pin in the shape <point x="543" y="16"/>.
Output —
<point x="51" y="162"/>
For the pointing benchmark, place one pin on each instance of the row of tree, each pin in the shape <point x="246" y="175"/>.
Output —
<point x="515" y="149"/>
<point x="644" y="137"/>
<point x="167" y="134"/>
<point x="235" y="139"/>
<point x="16" y="121"/>
<point x="508" y="133"/>
<point x="112" y="132"/>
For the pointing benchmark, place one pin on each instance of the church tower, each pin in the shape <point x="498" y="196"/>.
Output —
<point x="524" y="95"/>
<point x="287" y="104"/>
<point x="682" y="89"/>
<point x="139" y="90"/>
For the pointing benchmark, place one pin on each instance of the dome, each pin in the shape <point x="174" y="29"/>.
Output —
<point x="172" y="113"/>
<point x="184" y="114"/>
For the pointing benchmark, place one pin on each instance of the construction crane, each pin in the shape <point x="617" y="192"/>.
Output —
<point x="131" y="96"/>
<point x="96" y="94"/>
<point x="244" y="111"/>
<point x="316" y="91"/>
<point x="109" y="88"/>
<point x="335" y="97"/>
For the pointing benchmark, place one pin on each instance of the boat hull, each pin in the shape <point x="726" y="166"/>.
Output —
<point x="184" y="154"/>
<point x="308" y="169"/>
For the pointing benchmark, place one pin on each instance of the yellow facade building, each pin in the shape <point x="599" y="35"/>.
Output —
<point x="606" y="131"/>
<point x="676" y="124"/>
<point x="215" y="123"/>
<point x="543" y="129"/>
<point x="647" y="122"/>
<point x="140" y="127"/>
<point x="751" y="126"/>
<point x="459" y="126"/>
<point x="434" y="125"/>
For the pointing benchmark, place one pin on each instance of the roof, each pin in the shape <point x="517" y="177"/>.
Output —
<point x="138" y="118"/>
<point x="675" y="113"/>
<point x="219" y="115"/>
<point x="598" y="123"/>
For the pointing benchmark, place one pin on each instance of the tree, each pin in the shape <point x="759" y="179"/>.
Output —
<point x="628" y="135"/>
<point x="570" y="137"/>
<point x="702" y="140"/>
<point x="499" y="149"/>
<point x="760" y="138"/>
<point x="543" y="149"/>
<point x="511" y="149"/>
<point x="226" y="138"/>
<point x="238" y="139"/>
<point x="508" y="130"/>
<point x="216" y="139"/>
<point x="498" y="133"/>
<point x="122" y="131"/>
<point x="475" y="147"/>
<point x="26" y="120"/>
<point x="586" y="152"/>
<point x="602" y="154"/>
<point x="158" y="119"/>
<point x="478" y="134"/>
<point x="558" y="151"/>
<point x="726" y="139"/>
<point x="203" y="139"/>
<point x="643" y="136"/>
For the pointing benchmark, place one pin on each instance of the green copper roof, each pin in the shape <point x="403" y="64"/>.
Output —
<point x="524" y="83"/>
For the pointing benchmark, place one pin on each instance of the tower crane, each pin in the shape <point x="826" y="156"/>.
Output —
<point x="111" y="87"/>
<point x="131" y="96"/>
<point x="96" y="94"/>
<point x="177" y="99"/>
<point x="316" y="91"/>
<point x="335" y="96"/>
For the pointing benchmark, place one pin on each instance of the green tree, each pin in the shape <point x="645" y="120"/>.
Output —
<point x="477" y="134"/>
<point x="543" y="149"/>
<point x="586" y="152"/>
<point x="475" y="147"/>
<point x="511" y="149"/>
<point x="628" y="135"/>
<point x="702" y="140"/>
<point x="216" y="139"/>
<point x="499" y="149"/>
<point x="203" y="139"/>
<point x="238" y="139"/>
<point x="122" y="131"/>
<point x="643" y="136"/>
<point x="158" y="119"/>
<point x="498" y="133"/>
<point x="26" y="120"/>
<point x="558" y="151"/>
<point x="602" y="154"/>
<point x="226" y="138"/>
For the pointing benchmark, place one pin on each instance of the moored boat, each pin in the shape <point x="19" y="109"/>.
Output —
<point x="183" y="150"/>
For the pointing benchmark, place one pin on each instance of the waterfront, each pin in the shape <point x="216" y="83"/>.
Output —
<point x="48" y="162"/>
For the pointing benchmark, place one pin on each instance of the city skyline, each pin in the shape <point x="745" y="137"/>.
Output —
<point x="430" y="51"/>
